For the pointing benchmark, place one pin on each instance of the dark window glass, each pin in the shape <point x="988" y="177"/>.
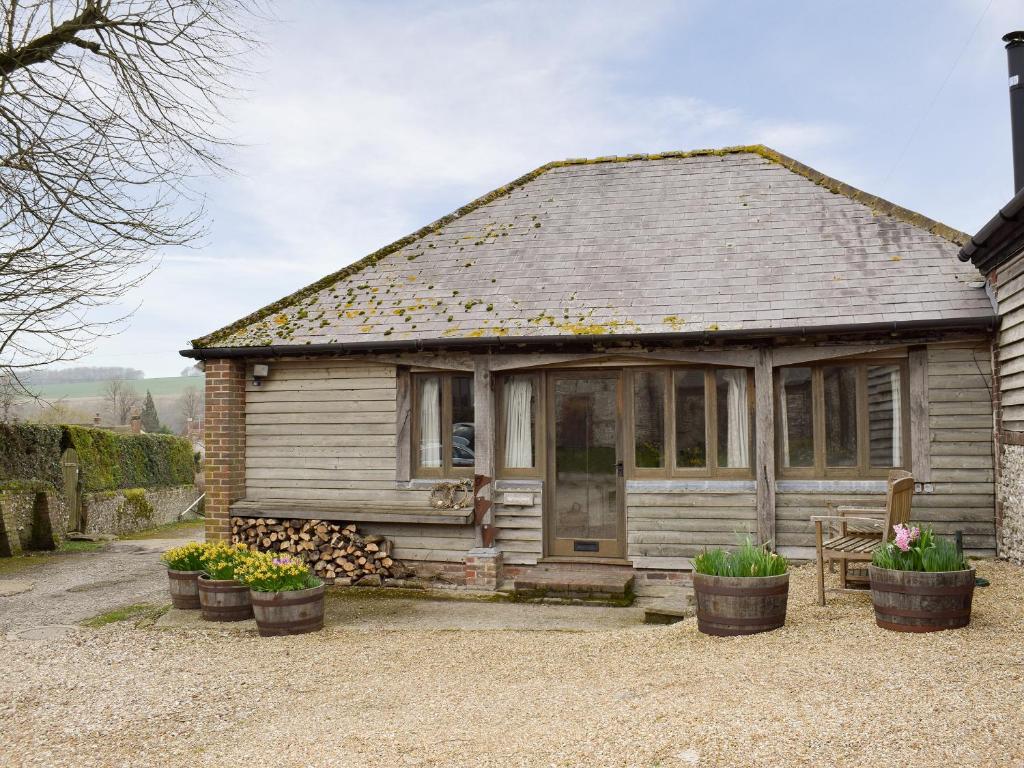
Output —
<point x="840" y="415"/>
<point x="463" y="442"/>
<point x="796" y="417"/>
<point x="885" y="418"/>
<point x="649" y="419"/>
<point x="691" y="440"/>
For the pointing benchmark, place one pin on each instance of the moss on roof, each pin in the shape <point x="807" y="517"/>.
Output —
<point x="876" y="204"/>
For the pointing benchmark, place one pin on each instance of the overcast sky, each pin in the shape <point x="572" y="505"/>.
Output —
<point x="366" y="120"/>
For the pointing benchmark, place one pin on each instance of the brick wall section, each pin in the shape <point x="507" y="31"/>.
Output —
<point x="483" y="568"/>
<point x="224" y="437"/>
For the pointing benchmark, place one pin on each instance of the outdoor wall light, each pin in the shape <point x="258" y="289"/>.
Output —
<point x="260" y="371"/>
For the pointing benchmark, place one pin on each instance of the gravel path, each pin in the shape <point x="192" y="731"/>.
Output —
<point x="68" y="588"/>
<point x="829" y="689"/>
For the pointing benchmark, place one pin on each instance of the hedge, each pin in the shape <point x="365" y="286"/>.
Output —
<point x="30" y="454"/>
<point x="108" y="461"/>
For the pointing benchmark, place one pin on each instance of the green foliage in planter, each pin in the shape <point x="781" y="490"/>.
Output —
<point x="111" y="460"/>
<point x="188" y="557"/>
<point x="267" y="572"/>
<point x="220" y="561"/>
<point x="917" y="549"/>
<point x="30" y="453"/>
<point x="746" y="560"/>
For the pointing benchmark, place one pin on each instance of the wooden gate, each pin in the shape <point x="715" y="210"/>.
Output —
<point x="69" y="464"/>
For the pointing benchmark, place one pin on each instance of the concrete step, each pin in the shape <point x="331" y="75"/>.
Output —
<point x="596" y="583"/>
<point x="671" y="609"/>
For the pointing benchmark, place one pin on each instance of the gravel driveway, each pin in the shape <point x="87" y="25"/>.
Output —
<point x="67" y="588"/>
<point x="830" y="689"/>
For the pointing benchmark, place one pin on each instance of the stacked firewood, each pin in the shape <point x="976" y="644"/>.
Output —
<point x="338" y="553"/>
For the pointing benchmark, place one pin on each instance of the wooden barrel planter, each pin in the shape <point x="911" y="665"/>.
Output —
<point x="732" y="605"/>
<point x="184" y="589"/>
<point x="224" y="600"/>
<point x="912" y="601"/>
<point x="289" y="613"/>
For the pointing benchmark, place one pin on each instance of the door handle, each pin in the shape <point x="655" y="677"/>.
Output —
<point x="619" y="470"/>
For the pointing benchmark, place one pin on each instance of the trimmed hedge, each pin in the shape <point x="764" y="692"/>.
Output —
<point x="108" y="461"/>
<point x="30" y="455"/>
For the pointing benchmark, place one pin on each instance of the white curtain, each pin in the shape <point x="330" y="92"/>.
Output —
<point x="897" y="420"/>
<point x="738" y="419"/>
<point x="518" y="397"/>
<point x="430" y="422"/>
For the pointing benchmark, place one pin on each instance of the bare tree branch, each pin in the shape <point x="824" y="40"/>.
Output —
<point x="108" y="110"/>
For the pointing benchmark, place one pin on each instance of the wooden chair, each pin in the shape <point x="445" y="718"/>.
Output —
<point x="860" y="577"/>
<point x="861" y="530"/>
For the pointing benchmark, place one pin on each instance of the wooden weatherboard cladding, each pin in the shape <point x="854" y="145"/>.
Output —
<point x="1010" y="296"/>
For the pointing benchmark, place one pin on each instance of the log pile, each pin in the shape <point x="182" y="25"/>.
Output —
<point x="338" y="553"/>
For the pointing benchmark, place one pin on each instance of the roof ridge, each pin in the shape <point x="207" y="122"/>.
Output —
<point x="874" y="202"/>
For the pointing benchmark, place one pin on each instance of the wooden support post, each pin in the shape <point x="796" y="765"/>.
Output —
<point x="403" y="425"/>
<point x="920" y="431"/>
<point x="483" y="441"/>
<point x="764" y="454"/>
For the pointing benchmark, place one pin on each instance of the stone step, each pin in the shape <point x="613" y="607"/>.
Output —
<point x="599" y="583"/>
<point x="672" y="609"/>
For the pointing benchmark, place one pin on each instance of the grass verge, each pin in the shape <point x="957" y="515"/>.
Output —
<point x="127" y="613"/>
<point x="169" y="530"/>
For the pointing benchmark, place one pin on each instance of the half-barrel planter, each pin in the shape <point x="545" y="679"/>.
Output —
<point x="294" y="612"/>
<point x="184" y="586"/>
<point x="917" y="601"/>
<point x="732" y="605"/>
<point x="224" y="599"/>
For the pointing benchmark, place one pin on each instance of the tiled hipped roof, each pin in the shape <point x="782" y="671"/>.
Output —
<point x="741" y="239"/>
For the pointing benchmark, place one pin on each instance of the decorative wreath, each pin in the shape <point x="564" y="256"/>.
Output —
<point x="457" y="495"/>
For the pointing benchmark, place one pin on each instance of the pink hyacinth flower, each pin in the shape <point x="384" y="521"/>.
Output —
<point x="915" y="533"/>
<point x="902" y="537"/>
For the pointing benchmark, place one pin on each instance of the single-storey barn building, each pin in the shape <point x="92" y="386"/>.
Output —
<point x="627" y="359"/>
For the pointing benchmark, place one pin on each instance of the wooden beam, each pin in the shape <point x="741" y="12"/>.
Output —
<point x="364" y="513"/>
<point x="483" y="435"/>
<point x="764" y="454"/>
<point x="810" y="354"/>
<point x="920" y="431"/>
<point x="403" y="426"/>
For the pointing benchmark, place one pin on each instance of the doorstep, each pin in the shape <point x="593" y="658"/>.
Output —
<point x="576" y="581"/>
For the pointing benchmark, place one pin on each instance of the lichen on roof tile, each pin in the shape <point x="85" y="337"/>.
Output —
<point x="740" y="238"/>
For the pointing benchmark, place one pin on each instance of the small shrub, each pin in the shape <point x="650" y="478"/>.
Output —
<point x="917" y="549"/>
<point x="264" y="572"/>
<point x="185" y="558"/>
<point x="746" y="560"/>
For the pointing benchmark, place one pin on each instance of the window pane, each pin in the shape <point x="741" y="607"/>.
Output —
<point x="733" y="418"/>
<point x="691" y="446"/>
<point x="462" y="422"/>
<point x="796" y="417"/>
<point x="885" y="418"/>
<point x="840" y="416"/>
<point x="520" y="401"/>
<point x="649" y="419"/>
<point x="428" y="398"/>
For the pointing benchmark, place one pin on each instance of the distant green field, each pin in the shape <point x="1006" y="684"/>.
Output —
<point x="171" y="385"/>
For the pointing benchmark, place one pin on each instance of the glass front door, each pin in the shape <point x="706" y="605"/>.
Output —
<point x="585" y="509"/>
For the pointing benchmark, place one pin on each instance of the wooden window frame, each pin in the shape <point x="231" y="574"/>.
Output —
<point x="539" y="433"/>
<point x="863" y="470"/>
<point x="670" y="470"/>
<point x="446" y="470"/>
